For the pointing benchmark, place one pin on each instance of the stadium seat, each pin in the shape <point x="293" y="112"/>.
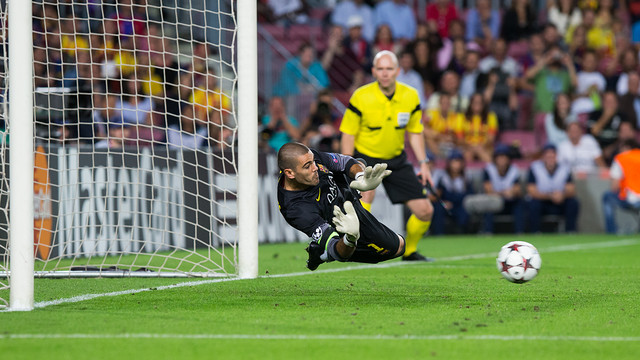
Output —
<point x="526" y="109"/>
<point x="518" y="49"/>
<point x="539" y="129"/>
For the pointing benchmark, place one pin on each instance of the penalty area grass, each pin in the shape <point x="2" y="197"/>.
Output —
<point x="582" y="305"/>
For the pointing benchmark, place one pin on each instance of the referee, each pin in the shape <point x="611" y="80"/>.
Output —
<point x="373" y="128"/>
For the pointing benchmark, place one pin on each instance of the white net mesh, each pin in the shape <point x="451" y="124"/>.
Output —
<point x="135" y="138"/>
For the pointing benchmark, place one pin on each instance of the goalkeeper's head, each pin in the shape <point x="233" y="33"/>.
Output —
<point x="297" y="165"/>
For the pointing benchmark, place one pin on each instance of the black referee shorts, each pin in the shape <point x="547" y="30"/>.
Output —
<point x="377" y="242"/>
<point x="403" y="184"/>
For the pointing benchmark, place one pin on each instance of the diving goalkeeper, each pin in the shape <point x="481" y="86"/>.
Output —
<point x="318" y="194"/>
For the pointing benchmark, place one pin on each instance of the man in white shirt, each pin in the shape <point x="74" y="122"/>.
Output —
<point x="580" y="151"/>
<point x="590" y="82"/>
<point x="348" y="8"/>
<point x="500" y="59"/>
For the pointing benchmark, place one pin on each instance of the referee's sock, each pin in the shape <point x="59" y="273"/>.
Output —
<point x="366" y="205"/>
<point x="416" y="228"/>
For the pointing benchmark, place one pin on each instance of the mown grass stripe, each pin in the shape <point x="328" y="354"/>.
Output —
<point x="575" y="247"/>
<point x="323" y="337"/>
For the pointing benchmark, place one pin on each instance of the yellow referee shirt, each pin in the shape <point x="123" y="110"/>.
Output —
<point x="379" y="123"/>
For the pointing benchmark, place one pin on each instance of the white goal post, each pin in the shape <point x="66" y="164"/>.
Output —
<point x="133" y="141"/>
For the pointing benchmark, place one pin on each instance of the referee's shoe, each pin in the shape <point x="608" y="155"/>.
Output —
<point x="416" y="256"/>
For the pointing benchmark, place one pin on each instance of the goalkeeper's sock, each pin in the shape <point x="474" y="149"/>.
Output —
<point x="366" y="206"/>
<point x="415" y="230"/>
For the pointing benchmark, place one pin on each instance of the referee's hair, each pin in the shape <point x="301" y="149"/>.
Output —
<point x="388" y="53"/>
<point x="288" y="154"/>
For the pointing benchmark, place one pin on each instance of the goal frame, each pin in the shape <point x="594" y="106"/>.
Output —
<point x="21" y="197"/>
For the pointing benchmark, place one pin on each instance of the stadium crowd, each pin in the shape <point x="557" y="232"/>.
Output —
<point x="551" y="85"/>
<point x="126" y="78"/>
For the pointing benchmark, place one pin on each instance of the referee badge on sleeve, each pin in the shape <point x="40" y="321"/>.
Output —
<point x="403" y="119"/>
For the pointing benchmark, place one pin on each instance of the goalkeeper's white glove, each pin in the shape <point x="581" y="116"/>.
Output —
<point x="347" y="224"/>
<point x="370" y="178"/>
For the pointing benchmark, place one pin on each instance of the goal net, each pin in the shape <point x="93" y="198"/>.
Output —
<point x="135" y="139"/>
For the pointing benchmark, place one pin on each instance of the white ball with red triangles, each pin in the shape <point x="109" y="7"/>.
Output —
<point x="519" y="261"/>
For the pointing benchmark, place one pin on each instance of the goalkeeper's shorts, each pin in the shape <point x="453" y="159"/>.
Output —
<point x="377" y="242"/>
<point x="403" y="184"/>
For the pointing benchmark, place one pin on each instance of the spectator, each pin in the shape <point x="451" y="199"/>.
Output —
<point x="578" y="45"/>
<point x="498" y="58"/>
<point x="629" y="63"/>
<point x="630" y="102"/>
<point x="551" y="191"/>
<point x="580" y="152"/>
<point x="555" y="123"/>
<point x="536" y="53"/>
<point x="358" y="45"/>
<point x="384" y="40"/>
<point x="286" y="12"/>
<point x="134" y="106"/>
<point x="411" y="77"/>
<point x="552" y="37"/>
<point x="564" y="14"/>
<point x="553" y="74"/>
<point x="599" y="36"/>
<point x="519" y="21"/>
<point x="320" y="130"/>
<point x="625" y="185"/>
<point x="604" y="124"/>
<point x="441" y="13"/>
<point x="483" y="24"/>
<point x="625" y="132"/>
<point x="605" y="13"/>
<point x="590" y="83"/>
<point x="344" y="71"/>
<point x="442" y="124"/>
<point x="470" y="75"/>
<point x="347" y="9"/>
<point x="446" y="52"/>
<point x="450" y="85"/>
<point x="499" y="91"/>
<point x="119" y="133"/>
<point x="633" y="7"/>
<point x="452" y="187"/>
<point x="190" y="134"/>
<point x="459" y="53"/>
<point x="479" y="130"/>
<point x="400" y="18"/>
<point x="278" y="126"/>
<point x="425" y="65"/>
<point x="502" y="178"/>
<point x="211" y="104"/>
<point x="302" y="74"/>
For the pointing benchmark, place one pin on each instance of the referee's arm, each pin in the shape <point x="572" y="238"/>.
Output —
<point x="347" y="144"/>
<point x="349" y="127"/>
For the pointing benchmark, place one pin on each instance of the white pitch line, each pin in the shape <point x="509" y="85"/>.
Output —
<point x="320" y="337"/>
<point x="79" y="298"/>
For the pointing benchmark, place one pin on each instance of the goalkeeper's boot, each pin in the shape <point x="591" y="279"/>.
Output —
<point x="416" y="256"/>
<point x="315" y="251"/>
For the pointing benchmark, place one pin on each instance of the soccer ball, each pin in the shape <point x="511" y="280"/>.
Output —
<point x="519" y="261"/>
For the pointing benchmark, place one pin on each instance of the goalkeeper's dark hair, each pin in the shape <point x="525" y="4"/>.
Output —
<point x="288" y="154"/>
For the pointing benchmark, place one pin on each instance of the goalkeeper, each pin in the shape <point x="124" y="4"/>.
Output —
<point x="318" y="194"/>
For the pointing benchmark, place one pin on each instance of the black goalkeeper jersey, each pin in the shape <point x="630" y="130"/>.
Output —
<point x="311" y="210"/>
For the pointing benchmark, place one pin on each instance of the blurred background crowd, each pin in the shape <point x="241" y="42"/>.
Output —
<point x="550" y="84"/>
<point x="498" y="80"/>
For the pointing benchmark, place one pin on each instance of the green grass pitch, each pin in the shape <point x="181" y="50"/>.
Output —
<point x="584" y="304"/>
